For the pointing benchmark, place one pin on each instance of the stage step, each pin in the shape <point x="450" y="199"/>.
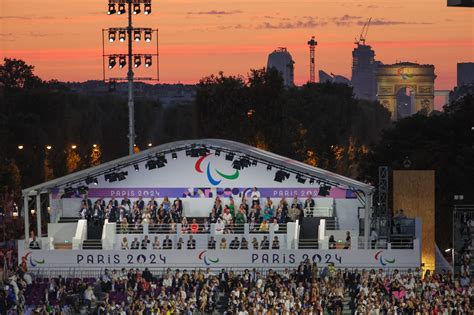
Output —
<point x="92" y="244"/>
<point x="308" y="243"/>
<point x="69" y="219"/>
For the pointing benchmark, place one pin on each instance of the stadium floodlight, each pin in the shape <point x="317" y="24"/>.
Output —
<point x="137" y="35"/>
<point x="137" y="61"/>
<point x="111" y="9"/>
<point x="136" y="8"/>
<point x="122" y="61"/>
<point x="121" y="8"/>
<point x="147" y="8"/>
<point x="122" y="36"/>
<point x="148" y="36"/>
<point x="112" y="62"/>
<point x="148" y="61"/>
<point x="112" y="35"/>
<point x="281" y="175"/>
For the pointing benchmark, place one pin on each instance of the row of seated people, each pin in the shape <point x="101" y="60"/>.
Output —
<point x="167" y="243"/>
<point x="305" y="289"/>
<point x="221" y="227"/>
<point x="248" y="211"/>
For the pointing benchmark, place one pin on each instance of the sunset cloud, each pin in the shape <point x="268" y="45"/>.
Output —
<point x="215" y="12"/>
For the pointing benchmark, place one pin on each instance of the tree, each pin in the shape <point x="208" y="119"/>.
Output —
<point x="16" y="74"/>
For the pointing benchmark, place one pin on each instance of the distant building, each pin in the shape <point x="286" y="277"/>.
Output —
<point x="324" y="77"/>
<point x="465" y="73"/>
<point x="281" y="60"/>
<point x="364" y="70"/>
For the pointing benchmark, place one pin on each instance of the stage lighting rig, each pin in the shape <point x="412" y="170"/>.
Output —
<point x="130" y="34"/>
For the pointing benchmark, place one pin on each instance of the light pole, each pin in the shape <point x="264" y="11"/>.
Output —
<point x="134" y="60"/>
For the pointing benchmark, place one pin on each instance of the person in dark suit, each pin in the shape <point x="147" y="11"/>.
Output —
<point x="167" y="243"/>
<point x="211" y="244"/>
<point x="145" y="242"/>
<point x="235" y="243"/>
<point x="135" y="244"/>
<point x="191" y="243"/>
<point x="265" y="244"/>
<point x="141" y="203"/>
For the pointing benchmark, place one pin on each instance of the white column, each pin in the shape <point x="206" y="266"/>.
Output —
<point x="38" y="216"/>
<point x="367" y="216"/>
<point x="26" y="219"/>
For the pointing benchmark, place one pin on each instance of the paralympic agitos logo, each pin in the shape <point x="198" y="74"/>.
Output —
<point x="207" y="261"/>
<point x="33" y="262"/>
<point x="383" y="261"/>
<point x="212" y="180"/>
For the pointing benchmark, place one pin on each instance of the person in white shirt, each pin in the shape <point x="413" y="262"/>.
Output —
<point x="89" y="297"/>
<point x="255" y="196"/>
<point x="373" y="238"/>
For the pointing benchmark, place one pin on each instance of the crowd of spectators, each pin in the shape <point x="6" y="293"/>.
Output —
<point x="307" y="289"/>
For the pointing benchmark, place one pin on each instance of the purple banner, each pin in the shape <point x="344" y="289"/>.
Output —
<point x="212" y="192"/>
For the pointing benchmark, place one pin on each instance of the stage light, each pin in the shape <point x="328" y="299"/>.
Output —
<point x="147" y="8"/>
<point x="254" y="163"/>
<point x="122" y="36"/>
<point x="32" y="211"/>
<point x="122" y="176"/>
<point x="245" y="162"/>
<point x="74" y="147"/>
<point x="111" y="9"/>
<point x="136" y="8"/>
<point x="161" y="161"/>
<point x="69" y="191"/>
<point x="218" y="152"/>
<point x="311" y="181"/>
<point x="324" y="190"/>
<point x="89" y="180"/>
<point x="269" y="167"/>
<point x="94" y="145"/>
<point x="300" y="179"/>
<point x="136" y="167"/>
<point x="150" y="164"/>
<point x="112" y="36"/>
<point x="229" y="156"/>
<point x="122" y="62"/>
<point x="137" y="35"/>
<point x="111" y="177"/>
<point x="174" y="155"/>
<point x="82" y="190"/>
<point x="121" y="8"/>
<point x="237" y="165"/>
<point x="137" y="61"/>
<point x="281" y="175"/>
<point x="148" y="36"/>
<point x="150" y="145"/>
<point x="112" y="62"/>
<point x="20" y="147"/>
<point x="49" y="147"/>
<point x="148" y="61"/>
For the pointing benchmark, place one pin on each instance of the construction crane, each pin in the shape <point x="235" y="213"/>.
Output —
<point x="363" y="34"/>
<point x="312" y="44"/>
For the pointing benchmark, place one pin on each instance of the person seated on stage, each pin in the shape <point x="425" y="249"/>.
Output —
<point x="156" y="243"/>
<point x="265" y="244"/>
<point x="213" y="216"/>
<point x="347" y="245"/>
<point x="235" y="243"/>
<point x="179" y="244"/>
<point x="124" y="243"/>
<point x="255" y="243"/>
<point x="184" y="226"/>
<point x="211" y="244"/>
<point x="275" y="243"/>
<point x="332" y="242"/>
<point x="264" y="226"/>
<point x="244" y="244"/>
<point x="276" y="226"/>
<point x="194" y="227"/>
<point x="191" y="243"/>
<point x="223" y="243"/>
<point x="227" y="217"/>
<point x="135" y="244"/>
<point x="34" y="244"/>
<point x="220" y="226"/>
<point x="145" y="242"/>
<point x="205" y="226"/>
<point x="167" y="243"/>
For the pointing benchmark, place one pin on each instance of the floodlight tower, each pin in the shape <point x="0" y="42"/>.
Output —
<point x="312" y="45"/>
<point x="131" y="34"/>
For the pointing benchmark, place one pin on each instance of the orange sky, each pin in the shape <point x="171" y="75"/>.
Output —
<point x="62" y="39"/>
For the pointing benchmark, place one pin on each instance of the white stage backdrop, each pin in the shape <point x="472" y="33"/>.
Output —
<point x="216" y="258"/>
